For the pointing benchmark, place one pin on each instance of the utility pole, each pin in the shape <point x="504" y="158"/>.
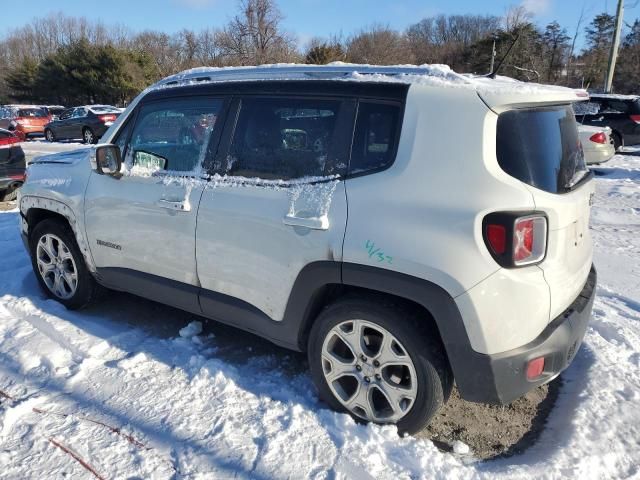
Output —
<point x="615" y="44"/>
<point x="493" y="53"/>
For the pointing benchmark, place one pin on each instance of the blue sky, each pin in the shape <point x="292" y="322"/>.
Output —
<point x="306" y="18"/>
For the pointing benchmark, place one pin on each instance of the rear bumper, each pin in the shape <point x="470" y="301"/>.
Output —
<point x="599" y="155"/>
<point x="501" y="378"/>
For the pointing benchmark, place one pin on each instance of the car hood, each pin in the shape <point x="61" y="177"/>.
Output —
<point x="66" y="158"/>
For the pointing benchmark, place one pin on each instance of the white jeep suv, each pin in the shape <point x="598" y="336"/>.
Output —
<point x="407" y="227"/>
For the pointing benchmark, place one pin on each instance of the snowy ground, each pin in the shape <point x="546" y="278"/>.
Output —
<point x="116" y="392"/>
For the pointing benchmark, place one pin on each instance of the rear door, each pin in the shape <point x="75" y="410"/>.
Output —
<point x="277" y="200"/>
<point x="141" y="227"/>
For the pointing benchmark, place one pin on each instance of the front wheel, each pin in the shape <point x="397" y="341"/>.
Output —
<point x="375" y="362"/>
<point x="59" y="265"/>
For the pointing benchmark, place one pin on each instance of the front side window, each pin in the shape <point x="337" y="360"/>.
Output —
<point x="173" y="135"/>
<point x="376" y="136"/>
<point x="66" y="114"/>
<point x="283" y="139"/>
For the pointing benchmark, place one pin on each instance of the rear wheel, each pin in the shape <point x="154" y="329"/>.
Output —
<point x="617" y="141"/>
<point x="49" y="135"/>
<point x="88" y="136"/>
<point x="59" y="265"/>
<point x="374" y="361"/>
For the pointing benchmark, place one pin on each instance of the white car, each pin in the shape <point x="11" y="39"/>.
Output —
<point x="597" y="144"/>
<point x="335" y="210"/>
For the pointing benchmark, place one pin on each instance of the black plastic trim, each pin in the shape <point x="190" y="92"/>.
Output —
<point x="288" y="332"/>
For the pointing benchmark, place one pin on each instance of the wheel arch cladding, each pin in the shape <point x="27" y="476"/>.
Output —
<point x="433" y="299"/>
<point x="35" y="209"/>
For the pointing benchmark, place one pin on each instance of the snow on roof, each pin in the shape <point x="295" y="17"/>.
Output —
<point x="433" y="75"/>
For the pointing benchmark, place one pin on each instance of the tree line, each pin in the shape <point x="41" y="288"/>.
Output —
<point x="70" y="60"/>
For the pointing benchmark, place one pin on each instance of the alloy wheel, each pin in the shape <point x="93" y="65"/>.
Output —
<point x="88" y="136"/>
<point x="369" y="371"/>
<point x="57" y="266"/>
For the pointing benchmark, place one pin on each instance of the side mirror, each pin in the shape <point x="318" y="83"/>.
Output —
<point x="108" y="159"/>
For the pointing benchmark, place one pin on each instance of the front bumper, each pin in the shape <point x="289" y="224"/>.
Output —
<point x="501" y="378"/>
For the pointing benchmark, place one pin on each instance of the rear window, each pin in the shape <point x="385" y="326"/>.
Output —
<point x="31" y="112"/>
<point x="540" y="147"/>
<point x="106" y="109"/>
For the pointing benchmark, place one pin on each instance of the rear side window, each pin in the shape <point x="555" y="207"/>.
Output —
<point x="375" y="138"/>
<point x="541" y="148"/>
<point x="283" y="139"/>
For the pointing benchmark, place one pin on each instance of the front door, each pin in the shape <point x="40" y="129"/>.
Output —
<point x="141" y="227"/>
<point x="278" y="203"/>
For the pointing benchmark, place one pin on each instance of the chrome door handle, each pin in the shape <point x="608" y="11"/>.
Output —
<point x="179" y="206"/>
<point x="315" y="223"/>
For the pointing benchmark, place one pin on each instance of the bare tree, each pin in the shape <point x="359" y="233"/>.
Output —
<point x="255" y="37"/>
<point x="378" y="45"/>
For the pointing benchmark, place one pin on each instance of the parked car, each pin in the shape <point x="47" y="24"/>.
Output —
<point x="597" y="144"/>
<point x="466" y="262"/>
<point x="88" y="123"/>
<point x="26" y="121"/>
<point x="12" y="165"/>
<point x="53" y="111"/>
<point x="619" y="112"/>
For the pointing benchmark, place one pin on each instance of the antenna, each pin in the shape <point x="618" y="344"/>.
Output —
<point x="494" y="72"/>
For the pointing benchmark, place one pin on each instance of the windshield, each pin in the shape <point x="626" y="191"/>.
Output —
<point x="32" y="112"/>
<point x="540" y="147"/>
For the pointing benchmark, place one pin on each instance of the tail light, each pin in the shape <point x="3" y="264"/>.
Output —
<point x="107" y="118"/>
<point x="635" y="118"/>
<point x="516" y="240"/>
<point x="599" y="137"/>
<point x="9" y="140"/>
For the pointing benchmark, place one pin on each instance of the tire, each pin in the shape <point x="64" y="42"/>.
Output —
<point x="10" y="194"/>
<point x="48" y="134"/>
<point x="617" y="141"/>
<point x="88" y="136"/>
<point x="86" y="289"/>
<point x="421" y="353"/>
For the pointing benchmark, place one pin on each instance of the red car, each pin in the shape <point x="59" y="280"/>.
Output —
<point x="12" y="165"/>
<point x="25" y="121"/>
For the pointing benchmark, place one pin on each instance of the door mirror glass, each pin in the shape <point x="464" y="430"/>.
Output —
<point x="108" y="160"/>
<point x="148" y="160"/>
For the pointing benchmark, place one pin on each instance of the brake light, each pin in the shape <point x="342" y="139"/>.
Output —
<point x="107" y="118"/>
<point x="9" y="140"/>
<point x="516" y="240"/>
<point x="497" y="238"/>
<point x="635" y="118"/>
<point x="599" y="137"/>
